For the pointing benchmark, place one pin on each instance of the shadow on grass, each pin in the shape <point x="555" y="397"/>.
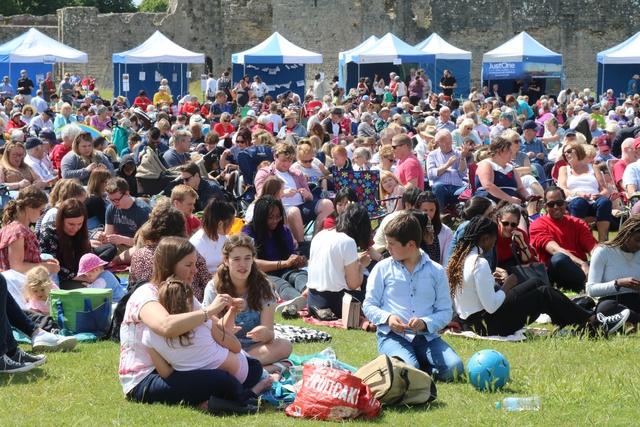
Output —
<point x="22" y="378"/>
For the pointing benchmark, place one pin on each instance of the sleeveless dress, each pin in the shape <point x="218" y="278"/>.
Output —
<point x="503" y="178"/>
<point x="16" y="175"/>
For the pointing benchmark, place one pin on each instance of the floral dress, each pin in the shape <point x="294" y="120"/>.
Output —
<point x="15" y="231"/>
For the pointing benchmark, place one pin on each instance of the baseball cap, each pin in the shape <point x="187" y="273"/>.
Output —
<point x="613" y="127"/>
<point x="604" y="141"/>
<point x="365" y="98"/>
<point x="32" y="142"/>
<point x="636" y="143"/>
<point x="48" y="135"/>
<point x="530" y="125"/>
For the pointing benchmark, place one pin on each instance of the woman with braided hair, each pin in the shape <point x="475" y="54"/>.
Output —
<point x="486" y="311"/>
<point x="614" y="273"/>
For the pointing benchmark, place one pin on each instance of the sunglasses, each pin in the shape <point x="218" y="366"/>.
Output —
<point x="396" y="146"/>
<point x="241" y="239"/>
<point x="427" y="198"/>
<point x="305" y="161"/>
<point x="553" y="203"/>
<point x="509" y="224"/>
<point x="186" y="179"/>
<point x="569" y="151"/>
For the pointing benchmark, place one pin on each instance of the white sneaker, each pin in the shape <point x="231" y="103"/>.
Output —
<point x="612" y="323"/>
<point x="298" y="302"/>
<point x="51" y="342"/>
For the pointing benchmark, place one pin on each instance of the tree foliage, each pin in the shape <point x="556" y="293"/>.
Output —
<point x="157" y="6"/>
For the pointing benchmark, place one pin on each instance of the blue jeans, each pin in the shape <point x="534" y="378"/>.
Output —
<point x="190" y="387"/>
<point x="11" y="315"/>
<point x="565" y="273"/>
<point x="581" y="208"/>
<point x="446" y="193"/>
<point x="434" y="357"/>
<point x="540" y="168"/>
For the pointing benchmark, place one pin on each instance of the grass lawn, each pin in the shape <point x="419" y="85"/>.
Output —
<point x="579" y="382"/>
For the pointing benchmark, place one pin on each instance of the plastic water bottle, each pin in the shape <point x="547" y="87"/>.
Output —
<point x="519" y="404"/>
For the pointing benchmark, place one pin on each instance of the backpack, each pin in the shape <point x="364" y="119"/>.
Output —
<point x="394" y="382"/>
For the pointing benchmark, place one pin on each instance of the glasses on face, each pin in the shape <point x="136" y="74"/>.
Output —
<point x="553" y="203"/>
<point x="468" y="128"/>
<point x="17" y="156"/>
<point x="240" y="141"/>
<point x="227" y="121"/>
<point x="305" y="161"/>
<point x="116" y="200"/>
<point x="274" y="219"/>
<point x="572" y="136"/>
<point x="396" y="146"/>
<point x="509" y="224"/>
<point x="186" y="179"/>
<point x="569" y="151"/>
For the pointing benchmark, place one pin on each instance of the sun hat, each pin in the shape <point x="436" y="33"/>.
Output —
<point x="89" y="262"/>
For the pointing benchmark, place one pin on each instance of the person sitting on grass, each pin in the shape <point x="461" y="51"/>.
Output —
<point x="408" y="300"/>
<point x="184" y="198"/>
<point x="277" y="256"/>
<point x="125" y="215"/>
<point x="140" y="381"/>
<point x="208" y="346"/>
<point x="486" y="311"/>
<point x="240" y="278"/>
<point x="614" y="273"/>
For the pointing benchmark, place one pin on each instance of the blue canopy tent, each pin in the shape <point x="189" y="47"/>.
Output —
<point x="522" y="57"/>
<point x="617" y="65"/>
<point x="155" y="59"/>
<point x="349" y="71"/>
<point x="389" y="54"/>
<point x="278" y="62"/>
<point x="35" y="53"/>
<point x="448" y="57"/>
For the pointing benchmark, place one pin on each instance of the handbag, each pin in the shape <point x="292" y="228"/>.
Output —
<point x="82" y="310"/>
<point x="533" y="270"/>
<point x="350" y="312"/>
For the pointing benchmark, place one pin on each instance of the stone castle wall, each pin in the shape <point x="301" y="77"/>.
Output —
<point x="578" y="29"/>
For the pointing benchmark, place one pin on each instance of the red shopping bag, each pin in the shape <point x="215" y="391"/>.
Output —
<point x="332" y="394"/>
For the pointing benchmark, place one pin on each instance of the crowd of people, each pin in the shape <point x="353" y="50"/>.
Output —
<point x="540" y="173"/>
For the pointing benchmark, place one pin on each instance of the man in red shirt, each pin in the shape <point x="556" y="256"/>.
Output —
<point x="184" y="198"/>
<point x="409" y="170"/>
<point x="562" y="242"/>
<point x="68" y="134"/>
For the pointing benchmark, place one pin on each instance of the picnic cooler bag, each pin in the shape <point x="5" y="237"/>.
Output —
<point x="393" y="382"/>
<point x="82" y="310"/>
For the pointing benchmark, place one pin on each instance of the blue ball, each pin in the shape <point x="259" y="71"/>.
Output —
<point x="488" y="370"/>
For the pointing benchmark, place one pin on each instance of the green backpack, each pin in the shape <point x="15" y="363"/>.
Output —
<point x="394" y="382"/>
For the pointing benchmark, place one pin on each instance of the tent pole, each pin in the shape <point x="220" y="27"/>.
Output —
<point x="602" y="83"/>
<point x="182" y="77"/>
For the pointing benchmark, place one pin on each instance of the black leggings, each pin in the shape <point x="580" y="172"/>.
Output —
<point x="522" y="305"/>
<point x="614" y="304"/>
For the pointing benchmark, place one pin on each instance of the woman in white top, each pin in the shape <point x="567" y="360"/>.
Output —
<point x="585" y="187"/>
<point x="336" y="265"/>
<point x="614" y="272"/>
<point x="217" y="219"/>
<point x="259" y="88"/>
<point x="465" y="131"/>
<point x="428" y="203"/>
<point x="485" y="311"/>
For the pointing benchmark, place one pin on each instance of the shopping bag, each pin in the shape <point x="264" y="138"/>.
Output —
<point x="82" y="310"/>
<point x="350" y="312"/>
<point x="334" y="395"/>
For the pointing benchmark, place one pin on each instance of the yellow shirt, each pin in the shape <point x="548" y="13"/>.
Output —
<point x="160" y="98"/>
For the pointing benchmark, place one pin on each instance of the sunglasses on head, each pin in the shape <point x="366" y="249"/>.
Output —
<point x="427" y="198"/>
<point x="553" y="203"/>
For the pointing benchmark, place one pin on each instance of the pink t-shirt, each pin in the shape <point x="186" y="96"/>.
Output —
<point x="135" y="362"/>
<point x="410" y="168"/>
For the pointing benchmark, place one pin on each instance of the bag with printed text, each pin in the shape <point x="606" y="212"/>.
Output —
<point x="334" y="395"/>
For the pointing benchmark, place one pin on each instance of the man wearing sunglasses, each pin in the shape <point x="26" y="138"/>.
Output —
<point x="562" y="242"/>
<point x="207" y="189"/>
<point x="409" y="169"/>
<point x="151" y="141"/>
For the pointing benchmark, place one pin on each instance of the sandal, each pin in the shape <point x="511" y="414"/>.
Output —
<point x="289" y="312"/>
<point x="283" y="368"/>
<point x="322" y="313"/>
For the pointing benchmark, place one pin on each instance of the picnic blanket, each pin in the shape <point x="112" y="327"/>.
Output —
<point x="299" y="334"/>
<point x="517" y="336"/>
